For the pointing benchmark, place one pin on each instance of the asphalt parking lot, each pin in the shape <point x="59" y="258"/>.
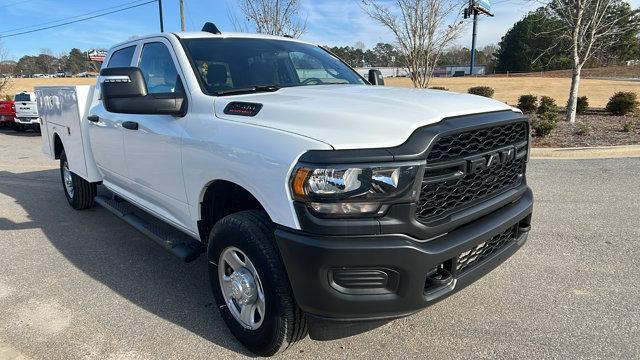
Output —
<point x="84" y="285"/>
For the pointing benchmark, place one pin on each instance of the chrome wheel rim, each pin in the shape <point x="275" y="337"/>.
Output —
<point x="241" y="288"/>
<point x="67" y="179"/>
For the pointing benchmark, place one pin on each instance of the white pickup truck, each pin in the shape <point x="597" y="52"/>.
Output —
<point x="324" y="204"/>
<point x="27" y="116"/>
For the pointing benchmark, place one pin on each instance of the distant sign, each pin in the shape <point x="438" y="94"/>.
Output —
<point x="484" y="5"/>
<point x="96" y="55"/>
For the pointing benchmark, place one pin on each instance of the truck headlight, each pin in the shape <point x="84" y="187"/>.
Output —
<point x="354" y="190"/>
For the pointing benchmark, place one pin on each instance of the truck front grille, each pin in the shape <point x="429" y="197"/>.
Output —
<point x="478" y="253"/>
<point x="453" y="180"/>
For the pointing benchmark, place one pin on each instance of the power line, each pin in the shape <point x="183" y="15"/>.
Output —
<point x="69" y="18"/>
<point x="76" y="21"/>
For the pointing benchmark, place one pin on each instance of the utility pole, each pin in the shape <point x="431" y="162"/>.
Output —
<point x="181" y="15"/>
<point x="476" y="7"/>
<point x="473" y="41"/>
<point x="160" y="10"/>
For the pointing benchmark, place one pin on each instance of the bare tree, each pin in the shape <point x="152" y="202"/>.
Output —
<point x="273" y="17"/>
<point x="422" y="28"/>
<point x="5" y="79"/>
<point x="588" y="26"/>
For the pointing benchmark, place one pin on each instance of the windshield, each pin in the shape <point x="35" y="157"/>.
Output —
<point x="238" y="63"/>
<point x="22" y="97"/>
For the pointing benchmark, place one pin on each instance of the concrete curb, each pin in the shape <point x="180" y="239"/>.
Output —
<point x="587" y="152"/>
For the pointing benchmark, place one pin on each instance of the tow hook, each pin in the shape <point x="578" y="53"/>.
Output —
<point x="438" y="277"/>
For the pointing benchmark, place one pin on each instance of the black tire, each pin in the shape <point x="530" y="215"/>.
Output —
<point x="84" y="192"/>
<point x="284" y="323"/>
<point x="36" y="128"/>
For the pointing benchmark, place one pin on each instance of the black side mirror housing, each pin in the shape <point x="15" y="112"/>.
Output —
<point x="375" y="77"/>
<point x="124" y="90"/>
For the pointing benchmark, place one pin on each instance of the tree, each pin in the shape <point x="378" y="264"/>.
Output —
<point x="273" y="17"/>
<point x="76" y="61"/>
<point x="386" y="55"/>
<point x="627" y="47"/>
<point x="422" y="29"/>
<point x="5" y="69"/>
<point x="528" y="45"/>
<point x="590" y="27"/>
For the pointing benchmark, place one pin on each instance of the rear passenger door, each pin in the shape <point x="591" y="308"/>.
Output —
<point x="153" y="150"/>
<point x="106" y="132"/>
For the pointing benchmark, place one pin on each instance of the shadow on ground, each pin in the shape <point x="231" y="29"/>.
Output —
<point x="116" y="255"/>
<point x="7" y="130"/>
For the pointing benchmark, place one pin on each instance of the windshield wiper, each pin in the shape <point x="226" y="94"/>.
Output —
<point x="249" y="90"/>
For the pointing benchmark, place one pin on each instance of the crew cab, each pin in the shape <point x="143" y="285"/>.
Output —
<point x="27" y="116"/>
<point x="321" y="201"/>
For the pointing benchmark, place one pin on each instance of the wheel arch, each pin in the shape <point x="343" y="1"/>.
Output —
<point x="220" y="198"/>
<point x="58" y="146"/>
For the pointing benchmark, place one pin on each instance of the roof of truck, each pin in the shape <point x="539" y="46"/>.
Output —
<point x="205" y="35"/>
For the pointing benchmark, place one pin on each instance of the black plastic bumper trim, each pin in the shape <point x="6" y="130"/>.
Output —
<point x="308" y="258"/>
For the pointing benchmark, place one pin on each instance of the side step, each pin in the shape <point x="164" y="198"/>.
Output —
<point x="175" y="241"/>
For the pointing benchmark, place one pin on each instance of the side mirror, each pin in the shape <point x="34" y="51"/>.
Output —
<point x="375" y="77"/>
<point x="124" y="90"/>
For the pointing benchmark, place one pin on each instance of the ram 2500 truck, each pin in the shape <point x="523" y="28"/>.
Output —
<point x="27" y="116"/>
<point x="318" y="198"/>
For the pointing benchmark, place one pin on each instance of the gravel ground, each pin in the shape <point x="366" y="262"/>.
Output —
<point x="84" y="285"/>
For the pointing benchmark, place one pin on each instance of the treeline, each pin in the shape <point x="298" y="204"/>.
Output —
<point x="386" y="55"/>
<point x="74" y="62"/>
<point x="534" y="43"/>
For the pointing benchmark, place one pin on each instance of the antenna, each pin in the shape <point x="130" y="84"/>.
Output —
<point x="211" y="28"/>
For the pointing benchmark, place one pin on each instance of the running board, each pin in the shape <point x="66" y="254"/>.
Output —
<point x="173" y="240"/>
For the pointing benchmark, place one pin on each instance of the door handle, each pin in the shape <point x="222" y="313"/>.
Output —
<point x="93" y="118"/>
<point x="131" y="125"/>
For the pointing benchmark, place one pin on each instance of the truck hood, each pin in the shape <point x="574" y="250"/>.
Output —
<point x="356" y="116"/>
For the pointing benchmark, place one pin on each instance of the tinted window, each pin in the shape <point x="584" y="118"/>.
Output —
<point x="158" y="68"/>
<point x="122" y="57"/>
<point x="238" y="63"/>
<point x="22" y="97"/>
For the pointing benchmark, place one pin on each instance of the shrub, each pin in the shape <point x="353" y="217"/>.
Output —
<point x="8" y="97"/>
<point x="622" y="103"/>
<point x="485" y="91"/>
<point x="630" y="126"/>
<point x="583" y="129"/>
<point x="528" y="103"/>
<point x="583" y="105"/>
<point x="547" y="105"/>
<point x="544" y="124"/>
<point x="439" y="88"/>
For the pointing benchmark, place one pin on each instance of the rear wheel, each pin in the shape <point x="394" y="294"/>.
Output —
<point x="79" y="192"/>
<point x="250" y="284"/>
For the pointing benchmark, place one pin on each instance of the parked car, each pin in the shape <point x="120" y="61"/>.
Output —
<point x="27" y="116"/>
<point x="322" y="202"/>
<point x="7" y="112"/>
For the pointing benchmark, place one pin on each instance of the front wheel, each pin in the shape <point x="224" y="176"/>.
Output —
<point x="250" y="284"/>
<point x="79" y="192"/>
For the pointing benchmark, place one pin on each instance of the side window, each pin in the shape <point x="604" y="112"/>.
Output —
<point x="309" y="68"/>
<point x="122" y="57"/>
<point x="158" y="68"/>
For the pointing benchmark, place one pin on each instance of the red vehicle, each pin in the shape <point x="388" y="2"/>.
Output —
<point x="7" y="112"/>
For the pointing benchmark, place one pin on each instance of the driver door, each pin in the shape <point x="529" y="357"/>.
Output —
<point x="153" y="145"/>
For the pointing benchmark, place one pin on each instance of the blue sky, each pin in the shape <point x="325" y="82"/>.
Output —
<point x="332" y="22"/>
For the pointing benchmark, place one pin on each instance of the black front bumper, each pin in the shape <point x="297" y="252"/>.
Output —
<point x="311" y="261"/>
